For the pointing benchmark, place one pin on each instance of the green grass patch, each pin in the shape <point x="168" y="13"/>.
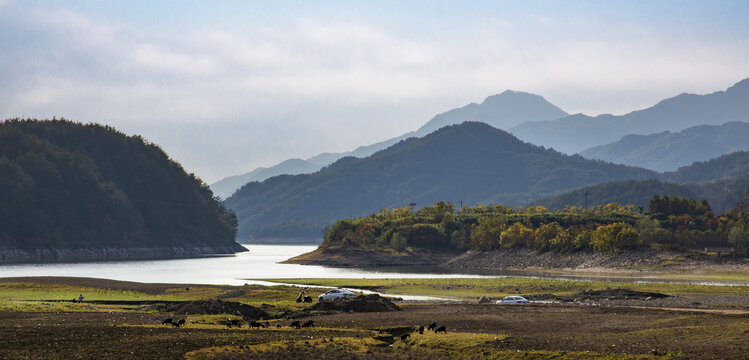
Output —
<point x="467" y="288"/>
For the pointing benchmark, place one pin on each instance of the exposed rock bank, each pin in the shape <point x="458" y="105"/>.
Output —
<point x="589" y="260"/>
<point x="356" y="257"/>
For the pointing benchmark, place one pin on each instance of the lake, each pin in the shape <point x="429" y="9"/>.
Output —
<point x="262" y="262"/>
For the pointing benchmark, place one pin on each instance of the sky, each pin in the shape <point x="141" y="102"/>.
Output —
<point x="227" y="86"/>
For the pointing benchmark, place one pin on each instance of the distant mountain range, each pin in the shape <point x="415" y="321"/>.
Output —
<point x="227" y="186"/>
<point x="575" y="133"/>
<point x="667" y="151"/>
<point x="472" y="162"/>
<point x="501" y="111"/>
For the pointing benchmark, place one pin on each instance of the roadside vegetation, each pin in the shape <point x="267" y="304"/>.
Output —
<point x="667" y="223"/>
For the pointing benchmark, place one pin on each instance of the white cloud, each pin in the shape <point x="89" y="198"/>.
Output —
<point x="330" y="86"/>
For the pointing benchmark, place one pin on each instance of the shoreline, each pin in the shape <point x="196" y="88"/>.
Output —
<point x="18" y="256"/>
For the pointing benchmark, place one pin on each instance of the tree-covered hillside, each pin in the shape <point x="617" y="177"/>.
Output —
<point x="668" y="222"/>
<point x="69" y="185"/>
<point x="472" y="162"/>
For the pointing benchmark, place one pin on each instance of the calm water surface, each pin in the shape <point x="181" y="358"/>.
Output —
<point x="261" y="262"/>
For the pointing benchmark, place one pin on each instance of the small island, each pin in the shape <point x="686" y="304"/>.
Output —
<point x="672" y="231"/>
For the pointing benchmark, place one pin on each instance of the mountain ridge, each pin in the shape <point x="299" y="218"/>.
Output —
<point x="575" y="133"/>
<point x="502" y="169"/>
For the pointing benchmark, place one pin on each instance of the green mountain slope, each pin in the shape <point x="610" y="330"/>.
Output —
<point x="722" y="195"/>
<point x="472" y="162"/>
<point x="68" y="186"/>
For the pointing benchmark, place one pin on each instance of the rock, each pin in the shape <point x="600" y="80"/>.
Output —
<point x="361" y="303"/>
<point x="484" y="300"/>
<point x="215" y="307"/>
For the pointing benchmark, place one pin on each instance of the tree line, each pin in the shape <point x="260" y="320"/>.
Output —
<point x="668" y="222"/>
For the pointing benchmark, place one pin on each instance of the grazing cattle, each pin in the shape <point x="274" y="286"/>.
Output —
<point x="310" y="323"/>
<point x="255" y="324"/>
<point x="296" y="324"/>
<point x="167" y="321"/>
<point x="440" y="329"/>
<point x="235" y="322"/>
<point x="421" y="330"/>
<point x="404" y="337"/>
<point x="176" y="324"/>
<point x="278" y="325"/>
<point x="308" y="299"/>
<point x="432" y="326"/>
<point x="181" y="322"/>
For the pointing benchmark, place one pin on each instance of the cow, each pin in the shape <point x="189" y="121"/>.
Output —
<point x="421" y="330"/>
<point x="432" y="326"/>
<point x="440" y="329"/>
<point x="404" y="337"/>
<point x="310" y="323"/>
<point x="296" y="324"/>
<point x="167" y="321"/>
<point x="255" y="324"/>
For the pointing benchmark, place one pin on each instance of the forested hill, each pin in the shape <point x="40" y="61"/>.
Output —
<point x="722" y="181"/>
<point x="87" y="192"/>
<point x="472" y="162"/>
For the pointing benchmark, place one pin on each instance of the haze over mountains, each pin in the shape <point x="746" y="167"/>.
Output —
<point x="575" y="133"/>
<point x="472" y="162"/>
<point x="667" y="151"/>
<point x="501" y="111"/>
<point x="533" y="119"/>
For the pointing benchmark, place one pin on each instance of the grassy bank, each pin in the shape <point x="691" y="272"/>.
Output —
<point x="471" y="288"/>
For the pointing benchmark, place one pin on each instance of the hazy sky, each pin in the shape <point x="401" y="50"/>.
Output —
<point x="226" y="86"/>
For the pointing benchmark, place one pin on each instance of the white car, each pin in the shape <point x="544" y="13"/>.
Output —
<point x="513" y="300"/>
<point x="335" y="294"/>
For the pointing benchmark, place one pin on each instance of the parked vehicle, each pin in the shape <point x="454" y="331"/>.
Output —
<point x="335" y="294"/>
<point x="513" y="300"/>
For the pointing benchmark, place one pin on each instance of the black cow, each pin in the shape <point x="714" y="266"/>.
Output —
<point x="255" y="324"/>
<point x="404" y="337"/>
<point x="421" y="330"/>
<point x="167" y="321"/>
<point x="432" y="326"/>
<point x="440" y="329"/>
<point x="181" y="322"/>
<point x="310" y="323"/>
<point x="296" y="324"/>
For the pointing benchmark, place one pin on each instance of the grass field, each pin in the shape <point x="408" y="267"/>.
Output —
<point x="471" y="288"/>
<point x="37" y="321"/>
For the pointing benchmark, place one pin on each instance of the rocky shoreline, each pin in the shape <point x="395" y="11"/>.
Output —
<point x="592" y="260"/>
<point x="356" y="257"/>
<point x="13" y="255"/>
